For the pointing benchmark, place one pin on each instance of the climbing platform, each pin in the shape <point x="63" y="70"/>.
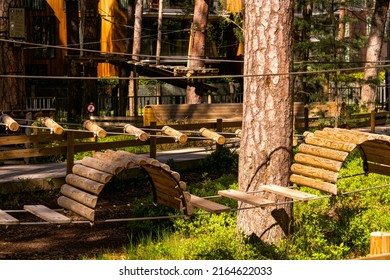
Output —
<point x="316" y="165"/>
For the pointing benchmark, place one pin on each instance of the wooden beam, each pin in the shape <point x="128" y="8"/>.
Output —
<point x="247" y="198"/>
<point x="320" y="162"/>
<point x="6" y="219"/>
<point x="91" y="173"/>
<point x="76" y="207"/>
<point x="181" y="137"/>
<point x="84" y="183"/>
<point x="101" y="165"/>
<point x="379" y="169"/>
<point x="207" y="205"/>
<point x="322" y="152"/>
<point x="212" y="135"/>
<point x="47" y="214"/>
<point x="326" y="143"/>
<point x="314" y="172"/>
<point x="313" y="183"/>
<point x="78" y="195"/>
<point x="140" y="134"/>
<point x="96" y="129"/>
<point x="294" y="194"/>
<point x="10" y="123"/>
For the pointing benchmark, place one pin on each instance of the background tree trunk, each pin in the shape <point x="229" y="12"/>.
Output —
<point x="266" y="145"/>
<point x="12" y="90"/>
<point x="197" y="47"/>
<point x="374" y="46"/>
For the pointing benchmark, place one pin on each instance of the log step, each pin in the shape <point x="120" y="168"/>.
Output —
<point x="47" y="214"/>
<point x="294" y="194"/>
<point x="209" y="206"/>
<point x="247" y="198"/>
<point x="6" y="219"/>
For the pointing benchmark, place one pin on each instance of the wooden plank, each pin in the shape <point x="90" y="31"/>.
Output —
<point x="294" y="194"/>
<point x="172" y="191"/>
<point x="76" y="207"/>
<point x="322" y="152"/>
<point x="84" y="183"/>
<point x="379" y="169"/>
<point x="332" y="144"/>
<point x="376" y="147"/>
<point x="314" y="172"/>
<point x="378" y="158"/>
<point x="47" y="214"/>
<point x="247" y="198"/>
<point x="315" y="161"/>
<point x="79" y="195"/>
<point x="313" y="183"/>
<point x="207" y="205"/>
<point x="6" y="219"/>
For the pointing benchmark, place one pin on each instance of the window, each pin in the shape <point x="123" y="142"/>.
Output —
<point x="44" y="33"/>
<point x="35" y="4"/>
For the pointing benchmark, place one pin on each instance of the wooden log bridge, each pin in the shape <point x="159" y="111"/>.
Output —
<point x="316" y="165"/>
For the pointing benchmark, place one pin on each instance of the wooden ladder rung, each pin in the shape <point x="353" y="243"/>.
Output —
<point x="7" y="219"/>
<point x="247" y="198"/>
<point x="208" y="205"/>
<point x="294" y="194"/>
<point x="47" y="214"/>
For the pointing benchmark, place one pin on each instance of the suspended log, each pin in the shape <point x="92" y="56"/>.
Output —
<point x="93" y="127"/>
<point x="6" y="219"/>
<point x="212" y="135"/>
<point x="247" y="198"/>
<point x="294" y="194"/>
<point x="313" y="183"/>
<point x="379" y="243"/>
<point x="47" y="214"/>
<point x="55" y="127"/>
<point x="325" y="163"/>
<point x="322" y="152"/>
<point x="238" y="133"/>
<point x="140" y="134"/>
<point x="181" y="137"/>
<point x="9" y="122"/>
<point x="314" y="172"/>
<point x="76" y="207"/>
<point x="207" y="205"/>
<point x="332" y="144"/>
<point x="79" y="195"/>
<point x="84" y="183"/>
<point x="91" y="173"/>
<point x="101" y="165"/>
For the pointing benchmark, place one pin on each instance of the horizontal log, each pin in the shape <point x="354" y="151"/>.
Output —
<point x="322" y="152"/>
<point x="76" y="207"/>
<point x="314" y="172"/>
<point x="96" y="129"/>
<point x="6" y="219"/>
<point x="50" y="123"/>
<point x="91" y="173"/>
<point x="343" y="135"/>
<point x="283" y="191"/>
<point x="140" y="134"/>
<point x="79" y="195"/>
<point x="379" y="169"/>
<point x="84" y="183"/>
<point x="212" y="135"/>
<point x="123" y="162"/>
<point x="181" y="137"/>
<point x="313" y="183"/>
<point x="316" y="161"/>
<point x="137" y="159"/>
<point x="101" y="165"/>
<point x="332" y="144"/>
<point x="207" y="205"/>
<point x="246" y="198"/>
<point x="9" y="122"/>
<point x="47" y="214"/>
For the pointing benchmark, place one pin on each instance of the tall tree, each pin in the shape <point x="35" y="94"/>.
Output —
<point x="12" y="90"/>
<point x="197" y="46"/>
<point x="374" y="46"/>
<point x="266" y="145"/>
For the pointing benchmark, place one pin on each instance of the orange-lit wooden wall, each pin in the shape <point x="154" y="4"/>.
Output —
<point x="56" y="66"/>
<point x="113" y="33"/>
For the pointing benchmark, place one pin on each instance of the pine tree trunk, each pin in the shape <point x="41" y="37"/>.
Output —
<point x="375" y="41"/>
<point x="12" y="90"/>
<point x="266" y="145"/>
<point x="197" y="47"/>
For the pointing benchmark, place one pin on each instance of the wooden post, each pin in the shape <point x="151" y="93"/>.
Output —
<point x="153" y="141"/>
<point x="372" y="121"/>
<point x="69" y="151"/>
<point x="379" y="243"/>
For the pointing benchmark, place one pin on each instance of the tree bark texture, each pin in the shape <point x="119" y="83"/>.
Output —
<point x="374" y="46"/>
<point x="12" y="90"/>
<point x="197" y="46"/>
<point x="266" y="145"/>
